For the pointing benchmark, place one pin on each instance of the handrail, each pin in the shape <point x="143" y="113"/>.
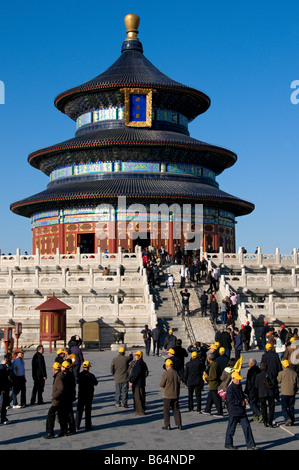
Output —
<point x="186" y="318"/>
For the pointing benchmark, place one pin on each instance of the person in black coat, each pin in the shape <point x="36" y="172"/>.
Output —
<point x="266" y="395"/>
<point x="236" y="406"/>
<point x="193" y="380"/>
<point x="214" y="310"/>
<point x="137" y="380"/>
<point x="4" y="390"/>
<point x="181" y="354"/>
<point x="225" y="341"/>
<point x="39" y="375"/>
<point x="222" y="359"/>
<point x="170" y="341"/>
<point x="86" y="383"/>
<point x="273" y="363"/>
<point x="251" y="390"/>
<point x="204" y="303"/>
<point x="156" y="335"/>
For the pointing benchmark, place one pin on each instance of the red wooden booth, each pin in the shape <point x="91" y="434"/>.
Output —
<point x="52" y="321"/>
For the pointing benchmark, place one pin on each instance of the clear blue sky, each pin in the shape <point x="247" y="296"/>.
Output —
<point x="243" y="55"/>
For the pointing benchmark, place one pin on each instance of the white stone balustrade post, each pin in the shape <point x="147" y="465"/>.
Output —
<point x="78" y="256"/>
<point x="10" y="278"/>
<point x="36" y="277"/>
<point x="64" y="272"/>
<point x="294" y="278"/>
<point x="221" y="255"/>
<point x="295" y="256"/>
<point x="244" y="277"/>
<point x="259" y="256"/>
<point x="17" y="258"/>
<point x="240" y="255"/>
<point x="91" y="278"/>
<point x="277" y="256"/>
<point x="37" y="257"/>
<point x="269" y="278"/>
<point x="271" y="304"/>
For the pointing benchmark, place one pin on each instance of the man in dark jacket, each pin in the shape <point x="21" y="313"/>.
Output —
<point x="225" y="341"/>
<point x="39" y="375"/>
<point x="86" y="383"/>
<point x="194" y="381"/>
<point x="251" y="391"/>
<point x="156" y="335"/>
<point x="273" y="363"/>
<point x="4" y="391"/>
<point x="185" y="301"/>
<point x="56" y="392"/>
<point x="79" y="359"/>
<point x="65" y="409"/>
<point x="170" y="341"/>
<point x="137" y="383"/>
<point x="222" y="359"/>
<point x="147" y="335"/>
<point x="119" y="369"/>
<point x="181" y="354"/>
<point x="204" y="304"/>
<point x="214" y="310"/>
<point x="236" y="405"/>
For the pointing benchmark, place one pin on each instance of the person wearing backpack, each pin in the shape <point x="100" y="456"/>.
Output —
<point x="147" y="335"/>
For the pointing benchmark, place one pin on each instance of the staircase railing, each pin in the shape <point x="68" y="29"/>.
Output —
<point x="185" y="318"/>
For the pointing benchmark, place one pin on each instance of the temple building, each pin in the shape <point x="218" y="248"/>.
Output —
<point x="132" y="174"/>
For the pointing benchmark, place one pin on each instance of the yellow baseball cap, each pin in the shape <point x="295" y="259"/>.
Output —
<point x="121" y="350"/>
<point x="171" y="351"/>
<point x="194" y="354"/>
<point x="285" y="363"/>
<point x="138" y="353"/>
<point x="236" y="375"/>
<point x="86" y="364"/>
<point x="168" y="362"/>
<point x="56" y="366"/>
<point x="60" y="351"/>
<point x="66" y="364"/>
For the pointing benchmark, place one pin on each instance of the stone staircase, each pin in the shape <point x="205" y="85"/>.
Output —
<point x="167" y="314"/>
<point x="168" y="317"/>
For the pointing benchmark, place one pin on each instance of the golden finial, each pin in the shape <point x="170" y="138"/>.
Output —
<point x="132" y="23"/>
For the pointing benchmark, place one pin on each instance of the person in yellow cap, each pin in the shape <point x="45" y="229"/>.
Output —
<point x="212" y="377"/>
<point x="292" y="354"/>
<point x="289" y="384"/>
<point x="119" y="368"/>
<point x="86" y="383"/>
<point x="236" y="406"/>
<point x="170" y="341"/>
<point x="273" y="363"/>
<point x="65" y="410"/>
<point x="137" y="382"/>
<point x="170" y="383"/>
<point x="57" y="391"/>
<point x="175" y="360"/>
<point x="222" y="359"/>
<point x="61" y="353"/>
<point x="193" y="380"/>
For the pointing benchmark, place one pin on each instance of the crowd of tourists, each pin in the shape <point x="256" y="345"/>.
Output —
<point x="218" y="367"/>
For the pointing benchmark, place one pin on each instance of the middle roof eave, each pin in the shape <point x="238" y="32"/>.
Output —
<point x="130" y="136"/>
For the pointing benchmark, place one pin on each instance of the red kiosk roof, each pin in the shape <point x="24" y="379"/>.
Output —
<point x="53" y="304"/>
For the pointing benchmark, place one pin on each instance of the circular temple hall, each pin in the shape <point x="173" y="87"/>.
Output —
<point x="132" y="174"/>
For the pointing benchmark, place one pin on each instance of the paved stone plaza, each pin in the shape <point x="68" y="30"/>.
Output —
<point x="118" y="429"/>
